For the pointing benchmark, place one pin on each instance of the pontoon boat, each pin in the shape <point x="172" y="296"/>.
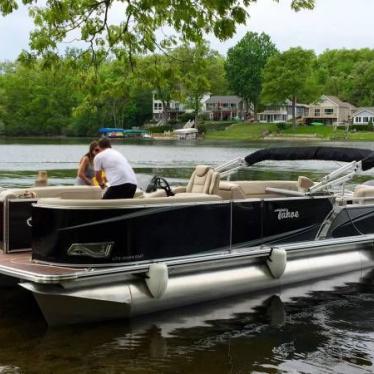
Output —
<point x="94" y="259"/>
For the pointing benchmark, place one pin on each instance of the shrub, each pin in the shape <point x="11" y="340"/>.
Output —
<point x="368" y="127"/>
<point x="185" y="117"/>
<point x="160" y="129"/>
<point x="202" y="129"/>
<point x="283" y="126"/>
<point x="218" y="125"/>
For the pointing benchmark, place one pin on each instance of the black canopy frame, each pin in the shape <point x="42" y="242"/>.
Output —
<point x="343" y="154"/>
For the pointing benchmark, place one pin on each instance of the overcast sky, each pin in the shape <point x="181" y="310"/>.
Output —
<point x="332" y="24"/>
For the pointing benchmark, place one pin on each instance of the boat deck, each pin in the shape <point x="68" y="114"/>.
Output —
<point x="19" y="265"/>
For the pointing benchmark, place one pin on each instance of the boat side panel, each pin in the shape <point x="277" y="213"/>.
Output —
<point x="353" y="220"/>
<point x="19" y="214"/>
<point x="2" y="213"/>
<point x="246" y="222"/>
<point x="137" y="234"/>
<point x="277" y="221"/>
<point x="287" y="221"/>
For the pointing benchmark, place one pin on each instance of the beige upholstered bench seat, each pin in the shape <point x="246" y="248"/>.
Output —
<point x="67" y="192"/>
<point x="64" y="192"/>
<point x="123" y="203"/>
<point x="253" y="189"/>
<point x="364" y="194"/>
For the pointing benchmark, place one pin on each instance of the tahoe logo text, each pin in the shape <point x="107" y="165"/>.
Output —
<point x="284" y="213"/>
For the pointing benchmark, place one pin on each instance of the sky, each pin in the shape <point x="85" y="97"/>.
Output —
<point x="332" y="24"/>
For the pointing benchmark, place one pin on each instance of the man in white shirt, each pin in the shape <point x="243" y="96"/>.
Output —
<point x="118" y="172"/>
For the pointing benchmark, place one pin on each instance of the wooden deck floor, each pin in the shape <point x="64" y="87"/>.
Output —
<point x="21" y="264"/>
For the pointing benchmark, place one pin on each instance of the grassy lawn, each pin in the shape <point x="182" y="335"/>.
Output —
<point x="241" y="131"/>
<point x="248" y="131"/>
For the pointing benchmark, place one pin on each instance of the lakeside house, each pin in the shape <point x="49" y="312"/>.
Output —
<point x="363" y="116"/>
<point x="174" y="109"/>
<point x="330" y="110"/>
<point x="282" y="112"/>
<point x="221" y="108"/>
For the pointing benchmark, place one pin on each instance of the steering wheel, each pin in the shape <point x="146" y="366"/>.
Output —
<point x="159" y="182"/>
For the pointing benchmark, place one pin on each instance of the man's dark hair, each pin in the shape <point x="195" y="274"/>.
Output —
<point x="104" y="143"/>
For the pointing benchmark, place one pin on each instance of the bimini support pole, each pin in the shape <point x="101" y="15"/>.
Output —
<point x="337" y="177"/>
<point x="230" y="167"/>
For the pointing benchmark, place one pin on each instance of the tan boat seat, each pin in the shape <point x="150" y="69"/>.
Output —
<point x="123" y="203"/>
<point x="203" y="180"/>
<point x="67" y="192"/>
<point x="365" y="193"/>
<point x="304" y="183"/>
<point x="230" y="191"/>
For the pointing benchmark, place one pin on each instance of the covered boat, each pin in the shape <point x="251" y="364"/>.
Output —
<point x="96" y="259"/>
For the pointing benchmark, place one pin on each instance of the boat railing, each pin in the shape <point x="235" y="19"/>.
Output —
<point x="337" y="177"/>
<point x="228" y="168"/>
<point x="334" y="179"/>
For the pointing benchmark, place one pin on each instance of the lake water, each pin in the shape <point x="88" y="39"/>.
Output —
<point x="325" y="326"/>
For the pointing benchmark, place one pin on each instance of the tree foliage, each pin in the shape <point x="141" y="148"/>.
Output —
<point x="290" y="75"/>
<point x="348" y="74"/>
<point x="92" y="20"/>
<point x="245" y="63"/>
<point x="202" y="72"/>
<point x="72" y="97"/>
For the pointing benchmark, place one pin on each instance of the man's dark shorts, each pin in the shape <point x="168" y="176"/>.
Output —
<point x="122" y="191"/>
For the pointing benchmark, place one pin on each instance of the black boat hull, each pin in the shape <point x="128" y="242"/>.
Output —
<point x="82" y="236"/>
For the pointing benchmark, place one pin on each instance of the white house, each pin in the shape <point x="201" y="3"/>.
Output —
<point x="363" y="116"/>
<point x="282" y="112"/>
<point x="175" y="108"/>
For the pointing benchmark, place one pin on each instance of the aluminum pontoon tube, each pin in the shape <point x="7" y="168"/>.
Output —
<point x="132" y="298"/>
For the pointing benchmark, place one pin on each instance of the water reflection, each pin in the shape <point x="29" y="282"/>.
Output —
<point x="325" y="326"/>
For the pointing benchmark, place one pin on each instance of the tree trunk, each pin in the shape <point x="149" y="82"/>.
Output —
<point x="255" y="105"/>
<point x="294" y="111"/>
<point x="197" y="107"/>
<point x="114" y="114"/>
<point x="165" y="111"/>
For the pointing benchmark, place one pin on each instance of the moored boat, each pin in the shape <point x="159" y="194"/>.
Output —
<point x="96" y="259"/>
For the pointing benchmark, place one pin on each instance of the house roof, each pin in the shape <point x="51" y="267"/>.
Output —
<point x="364" y="109"/>
<point x="337" y="101"/>
<point x="224" y="99"/>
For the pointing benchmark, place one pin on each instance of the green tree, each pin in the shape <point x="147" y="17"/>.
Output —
<point x="361" y="84"/>
<point x="161" y="74"/>
<point x="201" y="71"/>
<point x="290" y="75"/>
<point x="35" y="100"/>
<point x="340" y="73"/>
<point x="245" y="63"/>
<point x="57" y="21"/>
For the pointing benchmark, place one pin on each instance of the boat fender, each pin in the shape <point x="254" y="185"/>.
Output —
<point x="157" y="279"/>
<point x="277" y="261"/>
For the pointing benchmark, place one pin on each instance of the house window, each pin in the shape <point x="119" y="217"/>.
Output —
<point x="358" y="119"/>
<point x="329" y="111"/>
<point x="317" y="112"/>
<point x="365" y="120"/>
